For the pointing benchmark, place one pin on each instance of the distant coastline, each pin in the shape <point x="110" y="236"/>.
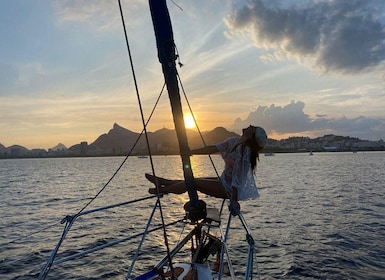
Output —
<point x="120" y="141"/>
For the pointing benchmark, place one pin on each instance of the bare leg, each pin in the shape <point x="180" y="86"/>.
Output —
<point x="178" y="188"/>
<point x="210" y="186"/>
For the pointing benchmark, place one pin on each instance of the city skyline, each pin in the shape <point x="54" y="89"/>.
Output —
<point x="296" y="68"/>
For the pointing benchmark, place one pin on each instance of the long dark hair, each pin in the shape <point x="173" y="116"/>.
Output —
<point x="254" y="152"/>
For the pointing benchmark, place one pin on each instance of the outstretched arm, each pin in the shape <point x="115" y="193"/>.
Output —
<point x="205" y="150"/>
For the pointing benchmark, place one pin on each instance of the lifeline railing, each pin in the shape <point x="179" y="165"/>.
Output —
<point x="250" y="241"/>
<point x="69" y="220"/>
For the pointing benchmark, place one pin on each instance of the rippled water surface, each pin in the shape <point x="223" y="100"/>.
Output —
<point x="318" y="217"/>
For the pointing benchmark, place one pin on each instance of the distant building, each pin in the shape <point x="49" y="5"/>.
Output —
<point x="84" y="148"/>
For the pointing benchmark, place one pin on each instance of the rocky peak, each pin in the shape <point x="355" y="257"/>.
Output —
<point x="59" y="147"/>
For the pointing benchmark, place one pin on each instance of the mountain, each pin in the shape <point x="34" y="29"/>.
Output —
<point x="117" y="141"/>
<point x="121" y="141"/>
<point x="59" y="147"/>
<point x="14" y="151"/>
<point x="217" y="135"/>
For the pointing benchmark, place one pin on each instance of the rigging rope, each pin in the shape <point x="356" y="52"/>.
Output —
<point x="146" y="135"/>
<point x="196" y="124"/>
<point x="68" y="220"/>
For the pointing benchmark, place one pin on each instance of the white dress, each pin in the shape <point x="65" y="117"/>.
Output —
<point x="237" y="172"/>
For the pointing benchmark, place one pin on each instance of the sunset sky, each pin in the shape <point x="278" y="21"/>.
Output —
<point x="295" y="67"/>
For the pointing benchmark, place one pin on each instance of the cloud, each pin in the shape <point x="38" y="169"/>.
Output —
<point x="331" y="36"/>
<point x="290" y="120"/>
<point x="101" y="14"/>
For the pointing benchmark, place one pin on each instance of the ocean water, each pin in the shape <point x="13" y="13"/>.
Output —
<point x="318" y="217"/>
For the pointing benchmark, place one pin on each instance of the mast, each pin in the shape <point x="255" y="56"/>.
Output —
<point x="195" y="208"/>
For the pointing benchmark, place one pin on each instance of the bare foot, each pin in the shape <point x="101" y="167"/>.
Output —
<point x="158" y="180"/>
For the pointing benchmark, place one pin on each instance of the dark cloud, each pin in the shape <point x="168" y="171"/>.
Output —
<point x="292" y="120"/>
<point x="339" y="36"/>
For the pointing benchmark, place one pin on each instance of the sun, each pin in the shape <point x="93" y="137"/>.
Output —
<point x="189" y="121"/>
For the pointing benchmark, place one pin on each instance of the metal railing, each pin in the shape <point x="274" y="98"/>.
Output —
<point x="70" y="220"/>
